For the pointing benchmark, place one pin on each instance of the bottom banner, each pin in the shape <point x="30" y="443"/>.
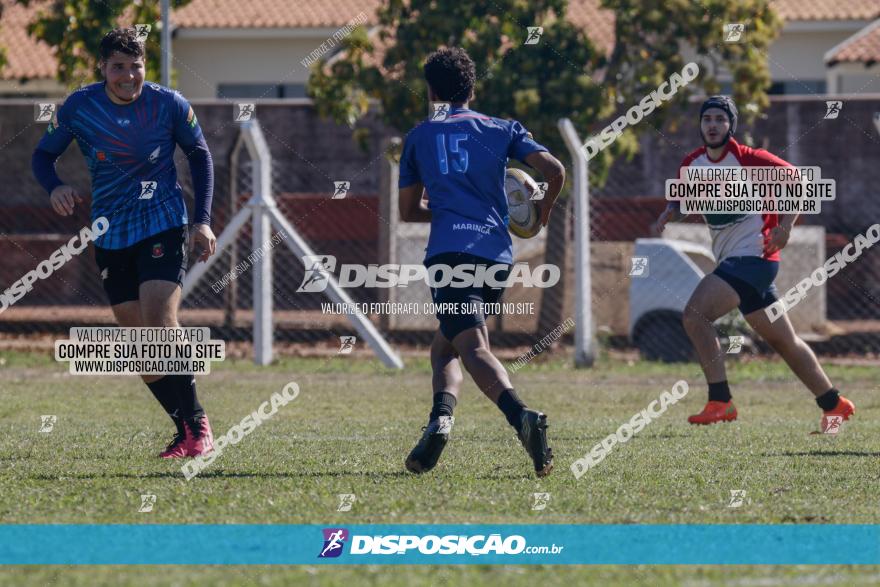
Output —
<point x="439" y="544"/>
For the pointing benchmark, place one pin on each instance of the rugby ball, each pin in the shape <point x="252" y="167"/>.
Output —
<point x="525" y="216"/>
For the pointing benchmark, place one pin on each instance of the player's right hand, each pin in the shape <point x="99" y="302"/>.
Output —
<point x="546" y="207"/>
<point x="658" y="226"/>
<point x="63" y="199"/>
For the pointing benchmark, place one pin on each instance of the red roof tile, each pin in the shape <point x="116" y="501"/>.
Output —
<point x="597" y="22"/>
<point x="28" y="58"/>
<point x="25" y="56"/>
<point x="862" y="47"/>
<point x="273" y="13"/>
<point x="826" y="9"/>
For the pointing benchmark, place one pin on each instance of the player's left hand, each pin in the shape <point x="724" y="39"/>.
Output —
<point x="777" y="239"/>
<point x="204" y="243"/>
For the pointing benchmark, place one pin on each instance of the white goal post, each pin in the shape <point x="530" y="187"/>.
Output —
<point x="584" y="327"/>
<point x="263" y="212"/>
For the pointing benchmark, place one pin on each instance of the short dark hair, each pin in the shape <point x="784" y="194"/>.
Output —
<point x="451" y="73"/>
<point x="122" y="40"/>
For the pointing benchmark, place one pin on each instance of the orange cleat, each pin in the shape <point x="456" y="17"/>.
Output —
<point x="715" y="412"/>
<point x="832" y="419"/>
<point x="843" y="408"/>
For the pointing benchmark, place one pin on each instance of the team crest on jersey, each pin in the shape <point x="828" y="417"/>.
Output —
<point x="158" y="251"/>
<point x="191" y="119"/>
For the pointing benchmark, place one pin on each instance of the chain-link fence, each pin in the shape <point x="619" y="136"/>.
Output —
<point x="840" y="317"/>
<point x="311" y="158"/>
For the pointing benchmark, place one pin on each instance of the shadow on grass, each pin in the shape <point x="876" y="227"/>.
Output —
<point x="823" y="453"/>
<point x="222" y="475"/>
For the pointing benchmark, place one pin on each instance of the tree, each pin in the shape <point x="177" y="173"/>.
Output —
<point x="3" y="59"/>
<point x="531" y="83"/>
<point x="650" y="36"/>
<point x="562" y="75"/>
<point x="75" y="28"/>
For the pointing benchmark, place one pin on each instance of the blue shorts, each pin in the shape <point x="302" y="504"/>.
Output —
<point x="752" y="279"/>
<point x="470" y="308"/>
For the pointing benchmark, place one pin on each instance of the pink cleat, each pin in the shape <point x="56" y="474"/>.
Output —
<point x="199" y="437"/>
<point x="177" y="448"/>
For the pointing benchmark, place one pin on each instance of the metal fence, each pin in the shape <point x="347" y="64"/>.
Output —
<point x="310" y="155"/>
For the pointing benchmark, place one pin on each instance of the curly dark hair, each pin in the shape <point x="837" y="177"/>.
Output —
<point x="451" y="73"/>
<point x="122" y="40"/>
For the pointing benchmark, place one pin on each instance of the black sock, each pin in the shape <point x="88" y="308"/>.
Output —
<point x="190" y="407"/>
<point x="719" y="392"/>
<point x="512" y="406"/>
<point x="165" y="391"/>
<point x="444" y="403"/>
<point x="828" y="400"/>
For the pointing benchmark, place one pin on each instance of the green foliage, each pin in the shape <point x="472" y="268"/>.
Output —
<point x="531" y="83"/>
<point x="652" y="36"/>
<point x="75" y="29"/>
<point x="563" y="75"/>
<point x="3" y="59"/>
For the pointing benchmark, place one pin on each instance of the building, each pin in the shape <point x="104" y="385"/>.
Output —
<point x="854" y="64"/>
<point x="230" y="49"/>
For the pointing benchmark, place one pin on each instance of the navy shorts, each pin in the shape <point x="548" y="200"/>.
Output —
<point x="160" y="257"/>
<point x="469" y="308"/>
<point x="752" y="279"/>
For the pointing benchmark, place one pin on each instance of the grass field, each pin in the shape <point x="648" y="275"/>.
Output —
<point x="354" y="422"/>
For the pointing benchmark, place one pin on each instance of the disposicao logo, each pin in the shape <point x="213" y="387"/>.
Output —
<point x="334" y="540"/>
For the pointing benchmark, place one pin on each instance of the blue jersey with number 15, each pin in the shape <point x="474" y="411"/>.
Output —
<point x="461" y="161"/>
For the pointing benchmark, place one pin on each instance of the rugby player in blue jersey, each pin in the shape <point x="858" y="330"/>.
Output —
<point x="460" y="162"/>
<point x="127" y="130"/>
